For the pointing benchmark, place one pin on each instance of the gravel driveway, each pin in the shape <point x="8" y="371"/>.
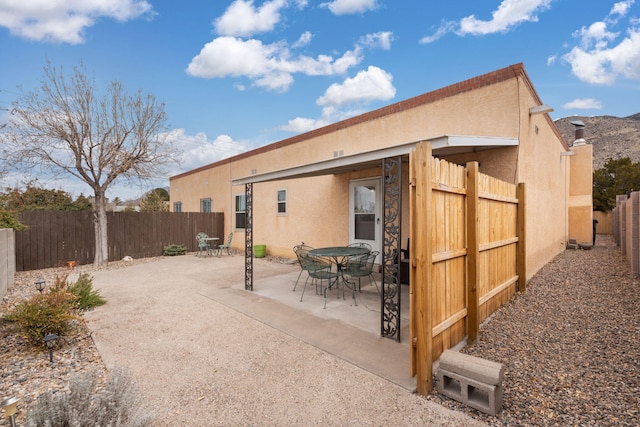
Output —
<point x="199" y="363"/>
<point x="569" y="345"/>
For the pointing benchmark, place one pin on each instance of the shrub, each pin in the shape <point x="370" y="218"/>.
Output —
<point x="54" y="312"/>
<point x="116" y="403"/>
<point x="10" y="220"/>
<point x="46" y="313"/>
<point x="86" y="296"/>
<point x="173" y="250"/>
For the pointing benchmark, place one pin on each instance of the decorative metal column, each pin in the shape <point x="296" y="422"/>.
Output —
<point x="392" y="195"/>
<point x="248" y="239"/>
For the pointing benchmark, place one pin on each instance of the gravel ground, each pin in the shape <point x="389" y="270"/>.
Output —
<point x="569" y="345"/>
<point x="26" y="371"/>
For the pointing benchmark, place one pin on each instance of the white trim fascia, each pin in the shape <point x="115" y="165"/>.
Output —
<point x="440" y="143"/>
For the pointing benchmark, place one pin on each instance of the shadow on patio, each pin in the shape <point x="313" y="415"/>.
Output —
<point x="349" y="332"/>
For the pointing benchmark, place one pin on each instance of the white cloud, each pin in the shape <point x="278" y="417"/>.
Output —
<point x="601" y="56"/>
<point x="303" y="40"/>
<point x="509" y="14"/>
<point x="380" y="40"/>
<point x="374" y="84"/>
<point x="347" y="99"/>
<point x="301" y="125"/>
<point x="583" y="104"/>
<point x="229" y="56"/>
<point x="551" y="59"/>
<point x="621" y="8"/>
<point x="347" y="7"/>
<point x="63" y="21"/>
<point x="270" y="66"/>
<point x="198" y="150"/>
<point x="444" y="29"/>
<point x="242" y="19"/>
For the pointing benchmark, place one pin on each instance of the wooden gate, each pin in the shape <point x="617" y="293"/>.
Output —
<point x="467" y="250"/>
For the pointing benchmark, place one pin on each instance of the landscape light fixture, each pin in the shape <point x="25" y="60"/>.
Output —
<point x="540" y="109"/>
<point x="49" y="341"/>
<point x="40" y="284"/>
<point x="10" y="408"/>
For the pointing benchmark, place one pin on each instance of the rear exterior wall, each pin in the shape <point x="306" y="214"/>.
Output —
<point x="317" y="208"/>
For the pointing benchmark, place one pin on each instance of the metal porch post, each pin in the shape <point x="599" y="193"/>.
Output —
<point x="392" y="220"/>
<point x="248" y="241"/>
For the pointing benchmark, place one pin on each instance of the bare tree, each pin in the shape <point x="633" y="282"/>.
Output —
<point x="67" y="127"/>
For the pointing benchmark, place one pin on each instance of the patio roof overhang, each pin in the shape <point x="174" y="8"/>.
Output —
<point x="445" y="145"/>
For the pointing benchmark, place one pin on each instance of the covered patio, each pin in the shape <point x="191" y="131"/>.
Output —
<point x="344" y="330"/>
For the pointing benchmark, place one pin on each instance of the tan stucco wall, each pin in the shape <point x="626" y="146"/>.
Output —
<point x="214" y="183"/>
<point x="580" y="194"/>
<point x="484" y="112"/>
<point x="545" y="173"/>
<point x="318" y="207"/>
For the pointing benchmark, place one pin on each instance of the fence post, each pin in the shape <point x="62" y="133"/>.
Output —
<point x="422" y="313"/>
<point x="623" y="227"/>
<point x="522" y="237"/>
<point x="633" y="249"/>
<point x="473" y="253"/>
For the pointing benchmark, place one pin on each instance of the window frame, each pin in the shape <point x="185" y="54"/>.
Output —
<point x="203" y="203"/>
<point x="237" y="212"/>
<point x="177" y="206"/>
<point x="280" y="203"/>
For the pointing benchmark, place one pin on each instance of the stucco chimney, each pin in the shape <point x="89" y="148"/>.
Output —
<point x="579" y="132"/>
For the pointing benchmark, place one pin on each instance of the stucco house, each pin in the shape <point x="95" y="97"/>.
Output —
<point x="422" y="171"/>
<point x="324" y="187"/>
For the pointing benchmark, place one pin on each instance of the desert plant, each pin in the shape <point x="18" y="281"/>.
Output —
<point x="86" y="296"/>
<point x="116" y="403"/>
<point x="173" y="250"/>
<point x="54" y="312"/>
<point x="46" y="313"/>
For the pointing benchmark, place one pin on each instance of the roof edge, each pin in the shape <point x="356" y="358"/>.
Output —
<point x="484" y="80"/>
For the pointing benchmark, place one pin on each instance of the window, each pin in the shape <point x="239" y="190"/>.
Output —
<point x="241" y="211"/>
<point x="205" y="205"/>
<point x="177" y="206"/>
<point x="282" y="201"/>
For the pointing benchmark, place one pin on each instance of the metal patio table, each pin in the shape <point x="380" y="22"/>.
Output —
<point x="336" y="253"/>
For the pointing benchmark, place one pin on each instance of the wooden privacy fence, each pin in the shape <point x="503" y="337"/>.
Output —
<point x="57" y="237"/>
<point x="467" y="251"/>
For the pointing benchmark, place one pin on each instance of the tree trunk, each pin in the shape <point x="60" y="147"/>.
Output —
<point x="100" y="225"/>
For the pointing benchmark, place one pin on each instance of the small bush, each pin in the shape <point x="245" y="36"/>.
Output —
<point x="46" y="313"/>
<point x="173" y="250"/>
<point x="54" y="312"/>
<point x="116" y="403"/>
<point x="86" y="296"/>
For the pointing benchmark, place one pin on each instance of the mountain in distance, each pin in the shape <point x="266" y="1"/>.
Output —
<point x="612" y="137"/>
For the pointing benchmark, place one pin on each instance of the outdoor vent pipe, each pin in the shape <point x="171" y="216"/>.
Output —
<point x="579" y="127"/>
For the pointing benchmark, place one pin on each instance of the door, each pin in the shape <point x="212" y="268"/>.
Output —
<point x="365" y="211"/>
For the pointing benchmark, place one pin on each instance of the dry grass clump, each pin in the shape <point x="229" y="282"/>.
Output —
<point x="114" y="404"/>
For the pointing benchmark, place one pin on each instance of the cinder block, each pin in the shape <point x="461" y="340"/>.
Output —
<point x="484" y="371"/>
<point x="481" y="396"/>
<point x="471" y="380"/>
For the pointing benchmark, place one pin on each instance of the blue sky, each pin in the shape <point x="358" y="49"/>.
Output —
<point x="236" y="75"/>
